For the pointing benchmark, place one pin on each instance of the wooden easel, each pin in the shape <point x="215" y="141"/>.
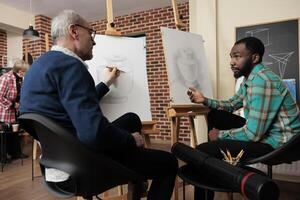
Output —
<point x="148" y="127"/>
<point x="34" y="143"/>
<point x="26" y="54"/>
<point x="175" y="112"/>
<point x="47" y="42"/>
<point x="110" y="26"/>
<point x="178" y="23"/>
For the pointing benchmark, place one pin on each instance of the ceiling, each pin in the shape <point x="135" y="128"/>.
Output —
<point x="90" y="9"/>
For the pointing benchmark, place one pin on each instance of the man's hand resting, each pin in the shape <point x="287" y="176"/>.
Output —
<point x="213" y="134"/>
<point x="139" y="140"/>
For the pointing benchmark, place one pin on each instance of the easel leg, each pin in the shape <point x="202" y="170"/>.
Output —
<point x="193" y="135"/>
<point x="174" y="138"/>
<point x="175" y="192"/>
<point x="147" y="140"/>
<point x="175" y="129"/>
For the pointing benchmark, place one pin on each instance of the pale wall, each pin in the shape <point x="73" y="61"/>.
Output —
<point x="231" y="14"/>
<point x="14" y="20"/>
<point x="14" y="45"/>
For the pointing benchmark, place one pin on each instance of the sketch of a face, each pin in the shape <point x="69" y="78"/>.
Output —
<point x="123" y="85"/>
<point x="187" y="66"/>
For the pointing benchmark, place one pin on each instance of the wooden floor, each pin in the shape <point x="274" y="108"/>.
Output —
<point x="16" y="183"/>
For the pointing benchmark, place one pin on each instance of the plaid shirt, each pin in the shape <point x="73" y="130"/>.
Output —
<point x="271" y="112"/>
<point x="8" y="95"/>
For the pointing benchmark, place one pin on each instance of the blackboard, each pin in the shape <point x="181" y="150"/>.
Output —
<point x="281" y="40"/>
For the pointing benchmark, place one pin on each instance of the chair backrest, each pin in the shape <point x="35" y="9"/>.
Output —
<point x="91" y="173"/>
<point x="287" y="153"/>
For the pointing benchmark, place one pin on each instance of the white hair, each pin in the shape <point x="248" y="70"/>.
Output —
<point x="60" y="23"/>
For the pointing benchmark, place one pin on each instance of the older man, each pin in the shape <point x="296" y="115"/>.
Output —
<point x="59" y="86"/>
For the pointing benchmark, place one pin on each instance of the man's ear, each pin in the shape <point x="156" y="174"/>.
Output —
<point x="255" y="58"/>
<point x="73" y="31"/>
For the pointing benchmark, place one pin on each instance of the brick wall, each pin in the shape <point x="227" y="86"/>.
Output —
<point x="149" y="23"/>
<point x="3" y="46"/>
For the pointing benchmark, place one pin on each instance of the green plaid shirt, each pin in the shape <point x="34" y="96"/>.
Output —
<point x="271" y="112"/>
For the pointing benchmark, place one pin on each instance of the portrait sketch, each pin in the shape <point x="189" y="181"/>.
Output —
<point x="186" y="64"/>
<point x="129" y="93"/>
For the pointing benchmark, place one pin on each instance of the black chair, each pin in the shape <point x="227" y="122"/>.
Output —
<point x="90" y="173"/>
<point x="287" y="153"/>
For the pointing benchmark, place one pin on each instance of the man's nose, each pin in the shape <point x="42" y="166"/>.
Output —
<point x="232" y="62"/>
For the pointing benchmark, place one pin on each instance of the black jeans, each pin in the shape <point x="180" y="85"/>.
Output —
<point x="223" y="120"/>
<point x="160" y="166"/>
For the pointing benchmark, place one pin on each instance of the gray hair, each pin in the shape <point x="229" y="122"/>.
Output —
<point x="20" y="65"/>
<point x="60" y="23"/>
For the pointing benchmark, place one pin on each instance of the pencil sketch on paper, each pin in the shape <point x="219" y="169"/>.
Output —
<point x="129" y="92"/>
<point x="186" y="64"/>
<point x="187" y="67"/>
<point x="118" y="90"/>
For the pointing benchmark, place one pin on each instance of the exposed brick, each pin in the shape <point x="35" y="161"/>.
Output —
<point x="3" y="47"/>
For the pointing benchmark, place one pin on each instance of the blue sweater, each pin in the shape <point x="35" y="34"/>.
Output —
<point x="60" y="87"/>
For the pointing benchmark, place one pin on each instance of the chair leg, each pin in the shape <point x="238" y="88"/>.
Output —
<point x="270" y="171"/>
<point x="34" y="149"/>
<point x="183" y="190"/>
<point x="32" y="161"/>
<point x="34" y="154"/>
<point x="206" y="194"/>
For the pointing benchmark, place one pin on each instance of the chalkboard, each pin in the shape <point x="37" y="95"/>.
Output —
<point x="281" y="40"/>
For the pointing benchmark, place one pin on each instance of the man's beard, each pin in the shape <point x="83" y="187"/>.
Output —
<point x="245" y="70"/>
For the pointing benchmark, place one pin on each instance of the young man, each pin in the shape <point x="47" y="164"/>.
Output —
<point x="59" y="86"/>
<point x="271" y="113"/>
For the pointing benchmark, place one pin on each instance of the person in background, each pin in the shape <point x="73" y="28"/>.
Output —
<point x="59" y="86"/>
<point x="271" y="113"/>
<point x="10" y="87"/>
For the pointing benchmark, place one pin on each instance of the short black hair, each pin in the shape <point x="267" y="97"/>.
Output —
<point x="254" y="45"/>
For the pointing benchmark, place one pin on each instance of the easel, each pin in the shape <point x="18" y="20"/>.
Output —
<point x="148" y="127"/>
<point x="47" y="42"/>
<point x="26" y="54"/>
<point x="110" y="26"/>
<point x="178" y="23"/>
<point x="175" y="112"/>
<point x="34" y="142"/>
